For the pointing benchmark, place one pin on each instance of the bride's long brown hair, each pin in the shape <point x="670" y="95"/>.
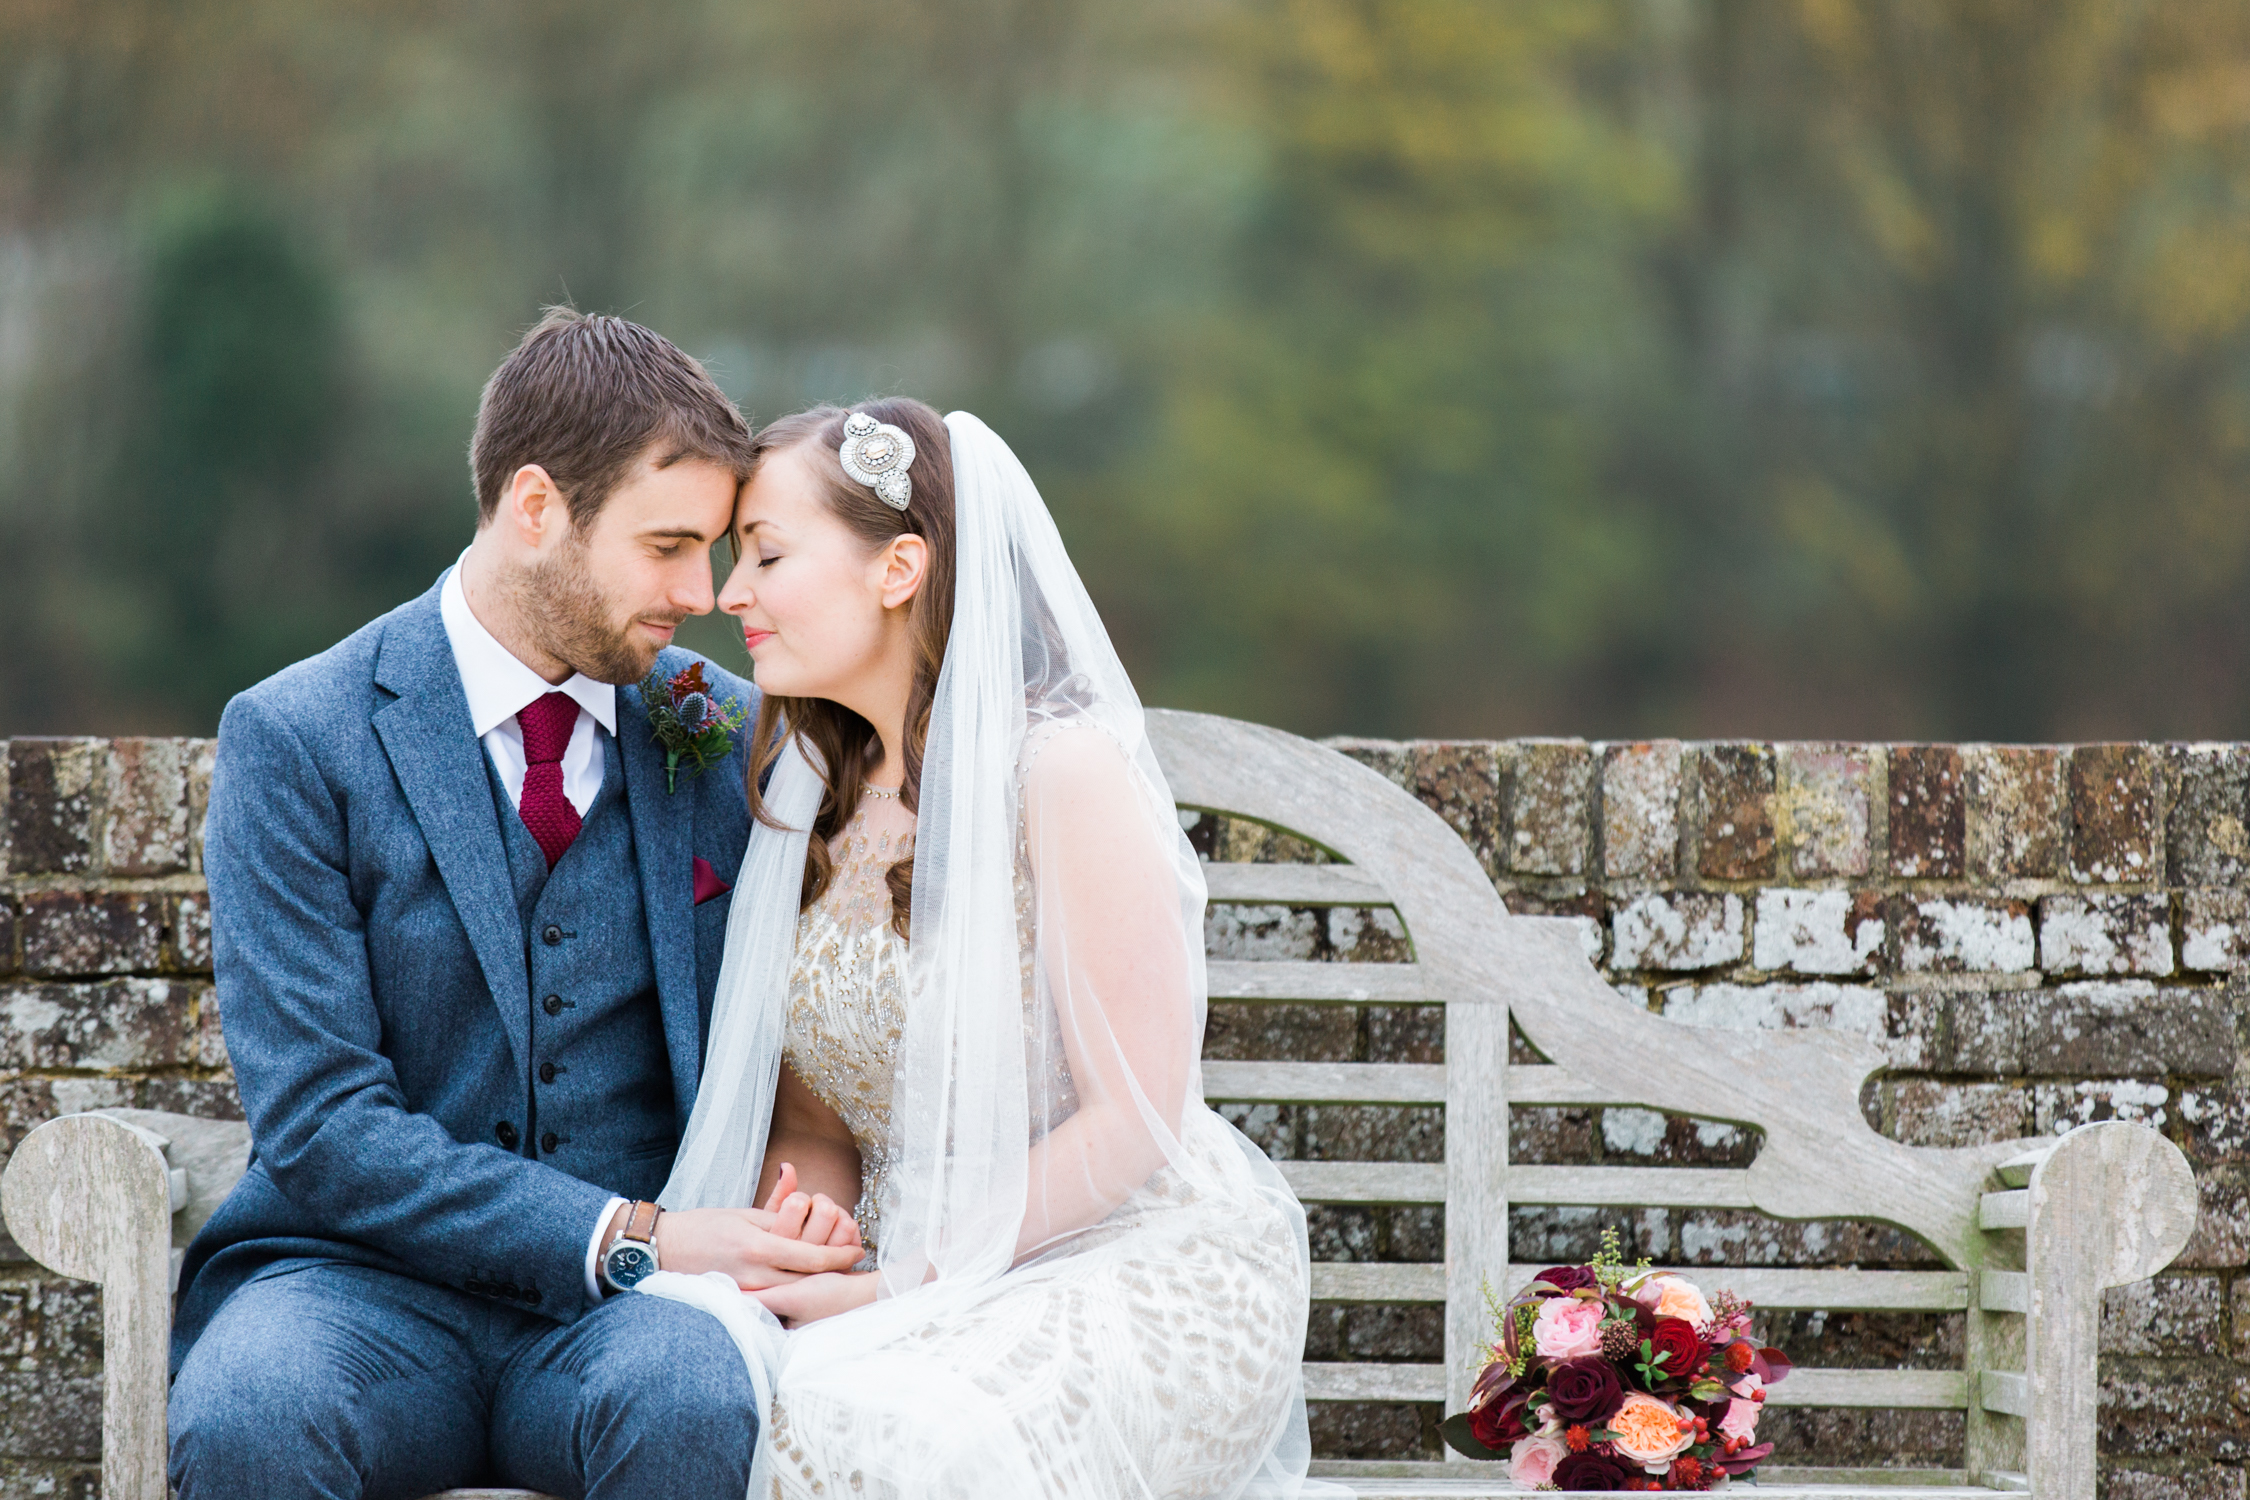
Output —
<point x="843" y="738"/>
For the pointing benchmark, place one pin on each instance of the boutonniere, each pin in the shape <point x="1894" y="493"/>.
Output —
<point x="690" y="726"/>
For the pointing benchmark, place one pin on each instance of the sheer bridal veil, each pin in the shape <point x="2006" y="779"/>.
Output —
<point x="1050" y="1064"/>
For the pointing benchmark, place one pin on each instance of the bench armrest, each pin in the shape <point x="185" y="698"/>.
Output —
<point x="2111" y="1204"/>
<point x="91" y="1197"/>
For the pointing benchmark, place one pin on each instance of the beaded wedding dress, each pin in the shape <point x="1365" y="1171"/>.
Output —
<point x="1092" y="1287"/>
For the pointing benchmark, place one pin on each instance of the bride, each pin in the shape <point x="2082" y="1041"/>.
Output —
<point x="960" y="1017"/>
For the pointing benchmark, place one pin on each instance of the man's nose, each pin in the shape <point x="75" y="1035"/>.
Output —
<point x="693" y="593"/>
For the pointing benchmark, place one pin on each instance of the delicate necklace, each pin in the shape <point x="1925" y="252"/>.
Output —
<point x="873" y="790"/>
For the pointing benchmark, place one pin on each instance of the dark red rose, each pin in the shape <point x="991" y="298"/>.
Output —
<point x="1675" y="1338"/>
<point x="1499" y="1422"/>
<point x="1567" y="1278"/>
<point x="1589" y="1471"/>
<point x="1585" y="1390"/>
<point x="1496" y="1407"/>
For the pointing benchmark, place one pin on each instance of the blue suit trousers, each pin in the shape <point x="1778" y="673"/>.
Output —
<point x="345" y="1382"/>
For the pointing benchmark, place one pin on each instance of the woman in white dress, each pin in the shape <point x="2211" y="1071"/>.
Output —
<point x="961" y="1014"/>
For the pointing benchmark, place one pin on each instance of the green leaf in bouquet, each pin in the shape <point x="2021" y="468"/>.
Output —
<point x="1462" y="1440"/>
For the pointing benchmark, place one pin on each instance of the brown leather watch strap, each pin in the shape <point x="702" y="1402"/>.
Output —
<point x="640" y="1222"/>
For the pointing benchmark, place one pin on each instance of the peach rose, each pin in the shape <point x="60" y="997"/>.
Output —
<point x="1531" y="1462"/>
<point x="1567" y="1328"/>
<point x="1673" y="1297"/>
<point x="1648" y="1432"/>
<point x="1741" y="1420"/>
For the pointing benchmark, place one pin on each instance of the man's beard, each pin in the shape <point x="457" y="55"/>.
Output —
<point x="561" y="602"/>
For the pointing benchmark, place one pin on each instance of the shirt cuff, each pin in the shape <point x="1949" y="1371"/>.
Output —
<point x="594" y="1250"/>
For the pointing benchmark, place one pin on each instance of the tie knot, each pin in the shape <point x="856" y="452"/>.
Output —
<point x="547" y="722"/>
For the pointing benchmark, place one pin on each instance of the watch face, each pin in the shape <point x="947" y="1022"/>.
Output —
<point x="627" y="1263"/>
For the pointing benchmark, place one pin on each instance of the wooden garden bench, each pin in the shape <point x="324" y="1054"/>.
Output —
<point x="2031" y="1233"/>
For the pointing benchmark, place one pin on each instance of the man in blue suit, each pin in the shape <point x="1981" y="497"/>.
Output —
<point x="467" y="931"/>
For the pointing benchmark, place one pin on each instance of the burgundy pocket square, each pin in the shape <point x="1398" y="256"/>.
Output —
<point x="707" y="881"/>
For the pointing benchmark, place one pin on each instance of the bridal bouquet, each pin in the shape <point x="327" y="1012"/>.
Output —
<point x="1613" y="1377"/>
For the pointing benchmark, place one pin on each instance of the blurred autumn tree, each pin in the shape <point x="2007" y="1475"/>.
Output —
<point x="1817" y="367"/>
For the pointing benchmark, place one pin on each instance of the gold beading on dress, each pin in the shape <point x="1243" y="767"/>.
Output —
<point x="847" y="1001"/>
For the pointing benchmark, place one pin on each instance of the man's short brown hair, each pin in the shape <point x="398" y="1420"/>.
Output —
<point x="584" y="397"/>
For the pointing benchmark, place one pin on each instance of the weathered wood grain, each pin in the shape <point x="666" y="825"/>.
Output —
<point x="1377" y="1281"/>
<point x="1356" y="984"/>
<point x="2006" y="1391"/>
<point x="1830" y="1291"/>
<point x="1294" y="885"/>
<point x="1891" y="1389"/>
<point x="1370" y="1382"/>
<point x="1419" y="1182"/>
<point x="2009" y="1210"/>
<point x="2110" y="1204"/>
<point x="1325" y="1083"/>
<point x="92" y="1198"/>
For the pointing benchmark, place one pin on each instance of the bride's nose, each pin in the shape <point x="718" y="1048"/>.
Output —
<point x="737" y="595"/>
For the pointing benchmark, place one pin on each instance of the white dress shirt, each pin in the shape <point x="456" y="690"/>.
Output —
<point x="499" y="687"/>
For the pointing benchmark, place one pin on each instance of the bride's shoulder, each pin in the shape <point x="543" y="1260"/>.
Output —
<point x="1069" y="746"/>
<point x="1074" y="766"/>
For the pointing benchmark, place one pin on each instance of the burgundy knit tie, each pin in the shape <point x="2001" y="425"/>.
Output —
<point x="547" y="724"/>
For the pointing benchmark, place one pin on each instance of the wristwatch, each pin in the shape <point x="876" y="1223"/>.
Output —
<point x="632" y="1255"/>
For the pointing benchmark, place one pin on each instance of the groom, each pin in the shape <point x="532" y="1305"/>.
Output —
<point x="466" y="938"/>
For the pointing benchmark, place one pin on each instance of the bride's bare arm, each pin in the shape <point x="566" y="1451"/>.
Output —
<point x="1113" y="946"/>
<point x="814" y="1141"/>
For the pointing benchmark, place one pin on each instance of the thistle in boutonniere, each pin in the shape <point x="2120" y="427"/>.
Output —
<point x="692" y="727"/>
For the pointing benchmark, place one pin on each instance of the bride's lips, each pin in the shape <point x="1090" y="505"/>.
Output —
<point x="753" y="639"/>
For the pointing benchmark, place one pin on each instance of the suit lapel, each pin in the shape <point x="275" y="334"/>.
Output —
<point x="433" y="751"/>
<point x="661" y="846"/>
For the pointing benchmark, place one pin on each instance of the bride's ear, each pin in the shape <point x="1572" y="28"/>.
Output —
<point x="906" y="562"/>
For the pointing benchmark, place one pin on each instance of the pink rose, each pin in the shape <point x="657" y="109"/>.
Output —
<point x="1741" y="1420"/>
<point x="1673" y="1297"/>
<point x="1531" y="1462"/>
<point x="1567" y="1328"/>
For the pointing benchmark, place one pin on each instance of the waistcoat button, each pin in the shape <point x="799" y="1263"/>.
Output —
<point x="549" y="1142"/>
<point x="552" y="1005"/>
<point x="546" y="1072"/>
<point x="551" y="935"/>
<point x="507" y="1134"/>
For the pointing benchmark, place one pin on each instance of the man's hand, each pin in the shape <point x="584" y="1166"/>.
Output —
<point x="743" y="1243"/>
<point x="814" y="1218"/>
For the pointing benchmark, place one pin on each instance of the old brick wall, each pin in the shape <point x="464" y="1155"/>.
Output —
<point x="2037" y="935"/>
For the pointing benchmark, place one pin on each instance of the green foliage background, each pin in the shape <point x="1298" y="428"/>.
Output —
<point x="1775" y="367"/>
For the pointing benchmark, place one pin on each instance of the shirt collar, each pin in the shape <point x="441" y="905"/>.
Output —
<point x="498" y="685"/>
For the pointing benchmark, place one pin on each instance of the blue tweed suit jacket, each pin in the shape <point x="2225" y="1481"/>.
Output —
<point x="372" y="978"/>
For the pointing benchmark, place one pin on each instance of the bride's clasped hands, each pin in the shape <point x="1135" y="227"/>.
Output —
<point x="813" y="1219"/>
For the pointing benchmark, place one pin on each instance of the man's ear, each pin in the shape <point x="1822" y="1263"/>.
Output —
<point x="535" y="507"/>
<point x="906" y="562"/>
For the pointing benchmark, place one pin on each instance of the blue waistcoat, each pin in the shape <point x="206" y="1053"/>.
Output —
<point x="598" y="1102"/>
